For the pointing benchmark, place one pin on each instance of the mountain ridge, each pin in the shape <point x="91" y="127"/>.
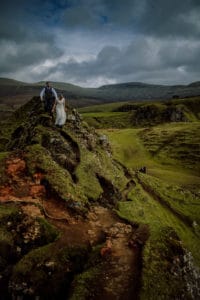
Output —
<point x="9" y="81"/>
<point x="15" y="93"/>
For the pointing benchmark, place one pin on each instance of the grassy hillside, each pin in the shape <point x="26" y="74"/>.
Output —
<point x="95" y="224"/>
<point x="165" y="198"/>
<point x="135" y="114"/>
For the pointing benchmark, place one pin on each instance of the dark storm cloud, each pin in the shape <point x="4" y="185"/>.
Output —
<point x="15" y="56"/>
<point x="158" y="18"/>
<point x="172" y="18"/>
<point x="24" y="39"/>
<point x="92" y="41"/>
<point x="144" y="59"/>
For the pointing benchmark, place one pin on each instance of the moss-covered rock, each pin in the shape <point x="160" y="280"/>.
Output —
<point x="47" y="271"/>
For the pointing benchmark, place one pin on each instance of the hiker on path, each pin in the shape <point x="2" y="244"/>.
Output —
<point x="49" y="96"/>
<point x="60" y="111"/>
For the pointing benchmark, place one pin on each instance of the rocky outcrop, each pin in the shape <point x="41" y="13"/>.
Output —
<point x="156" y="114"/>
<point x="55" y="174"/>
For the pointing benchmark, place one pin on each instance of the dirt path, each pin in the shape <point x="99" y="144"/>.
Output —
<point x="166" y="205"/>
<point x="120" y="279"/>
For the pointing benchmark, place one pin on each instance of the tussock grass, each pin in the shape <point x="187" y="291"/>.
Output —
<point x="108" y="119"/>
<point x="174" y="144"/>
<point x="174" y="220"/>
<point x="161" y="246"/>
<point x="109" y="107"/>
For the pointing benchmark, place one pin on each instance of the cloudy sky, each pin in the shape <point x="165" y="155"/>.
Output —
<point x="96" y="42"/>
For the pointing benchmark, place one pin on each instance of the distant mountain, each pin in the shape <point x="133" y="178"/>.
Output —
<point x="194" y="84"/>
<point x="8" y="81"/>
<point x="15" y="93"/>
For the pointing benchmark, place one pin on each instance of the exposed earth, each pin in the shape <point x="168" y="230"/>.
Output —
<point x="121" y="259"/>
<point x="78" y="223"/>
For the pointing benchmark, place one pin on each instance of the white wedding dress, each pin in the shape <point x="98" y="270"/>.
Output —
<point x="60" y="112"/>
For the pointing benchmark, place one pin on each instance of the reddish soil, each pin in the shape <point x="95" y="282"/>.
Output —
<point x="121" y="276"/>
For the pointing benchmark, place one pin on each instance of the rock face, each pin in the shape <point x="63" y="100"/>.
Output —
<point x="60" y="235"/>
<point x="156" y="114"/>
<point x="65" y="156"/>
<point x="56" y="175"/>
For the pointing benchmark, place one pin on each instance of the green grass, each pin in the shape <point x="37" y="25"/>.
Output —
<point x="108" y="119"/>
<point x="174" y="144"/>
<point x="108" y="107"/>
<point x="178" y="188"/>
<point x="181" y="200"/>
<point x="127" y="147"/>
<point x="146" y="210"/>
<point x="141" y="114"/>
<point x="159" y="249"/>
<point x="158" y="148"/>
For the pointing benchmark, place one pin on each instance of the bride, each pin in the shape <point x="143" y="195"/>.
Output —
<point x="60" y="111"/>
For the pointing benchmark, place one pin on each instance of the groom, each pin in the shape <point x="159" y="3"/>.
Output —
<point x="48" y="95"/>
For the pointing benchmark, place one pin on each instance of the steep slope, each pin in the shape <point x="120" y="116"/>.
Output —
<point x="58" y="190"/>
<point x="166" y="198"/>
<point x="77" y="222"/>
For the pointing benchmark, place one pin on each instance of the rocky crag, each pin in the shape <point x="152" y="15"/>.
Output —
<point x="61" y="236"/>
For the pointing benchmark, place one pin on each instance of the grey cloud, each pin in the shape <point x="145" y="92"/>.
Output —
<point x="144" y="60"/>
<point x="164" y="38"/>
<point x="24" y="39"/>
<point x="180" y="54"/>
<point x="15" y="56"/>
<point x="157" y="18"/>
<point x="171" y="18"/>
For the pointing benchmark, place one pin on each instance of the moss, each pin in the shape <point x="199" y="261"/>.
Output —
<point x="85" y="284"/>
<point x="9" y="213"/>
<point x="48" y="270"/>
<point x="3" y="157"/>
<point x="99" y="161"/>
<point x="48" y="232"/>
<point x="43" y="272"/>
<point x="94" y="163"/>
<point x="6" y="244"/>
<point x="77" y="255"/>
<point x="59" y="179"/>
<point x="22" y="270"/>
<point x="157" y="265"/>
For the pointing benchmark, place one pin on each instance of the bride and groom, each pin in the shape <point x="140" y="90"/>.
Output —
<point x="52" y="102"/>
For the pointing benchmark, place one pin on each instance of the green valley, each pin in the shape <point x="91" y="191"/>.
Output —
<point x="166" y="197"/>
<point x="106" y="207"/>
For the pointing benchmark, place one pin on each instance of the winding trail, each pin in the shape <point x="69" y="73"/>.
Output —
<point x="121" y="277"/>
